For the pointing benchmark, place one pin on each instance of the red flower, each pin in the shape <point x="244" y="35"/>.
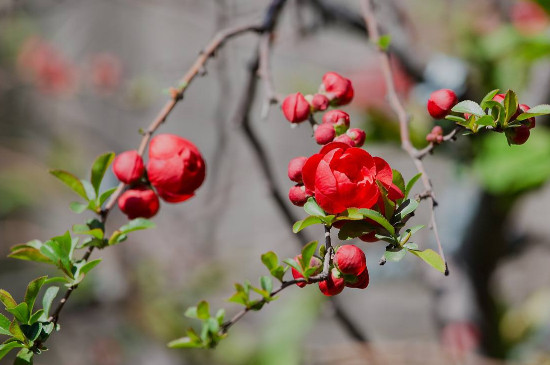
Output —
<point x="362" y="280"/>
<point x="333" y="285"/>
<point x="297" y="195"/>
<point x="175" y="168"/>
<point x="295" y="168"/>
<point x="358" y="136"/>
<point x="341" y="177"/>
<point x="128" y="167"/>
<point x="441" y="102"/>
<point x="337" y="88"/>
<point x="350" y="260"/>
<point x="319" y="102"/>
<point x="314" y="262"/>
<point x="324" y="133"/>
<point x="139" y="202"/>
<point x="295" y="108"/>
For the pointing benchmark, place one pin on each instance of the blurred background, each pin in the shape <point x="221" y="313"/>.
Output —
<point x="78" y="78"/>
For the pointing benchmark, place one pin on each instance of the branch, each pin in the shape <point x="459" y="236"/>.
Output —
<point x="395" y="103"/>
<point x="451" y="136"/>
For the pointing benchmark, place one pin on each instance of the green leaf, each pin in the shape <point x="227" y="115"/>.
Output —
<point x="7" y="299"/>
<point x="395" y="256"/>
<point x="486" y="121"/>
<point x="184" y="342"/>
<point x="71" y="181"/>
<point x="411" y="230"/>
<point x="309" y="221"/>
<point x="16" y="331"/>
<point x="266" y="283"/>
<point x="101" y="164"/>
<point x="411" y="246"/>
<point x="220" y="315"/>
<point x="470" y="107"/>
<point x="31" y="331"/>
<point x="90" y="191"/>
<point x="106" y="195"/>
<point x="136" y="225"/>
<point x="7" y="347"/>
<point x="270" y="260"/>
<point x="398" y="180"/>
<point x="20" y="312"/>
<point x="542" y="109"/>
<point x="307" y="253"/>
<point x="510" y="104"/>
<point x="406" y="208"/>
<point x="312" y="208"/>
<point x="89" y="266"/>
<point x="294" y="264"/>
<point x="411" y="183"/>
<point x="24" y="357"/>
<point x="37" y="316"/>
<point x="30" y="254"/>
<point x="203" y="310"/>
<point x="455" y="118"/>
<point x="384" y="42"/>
<point x="354" y="229"/>
<point x="489" y="97"/>
<point x="4" y="325"/>
<point x="32" y="291"/>
<point x="378" y="218"/>
<point x="191" y="312"/>
<point x="84" y="229"/>
<point x="78" y="207"/>
<point x="432" y="258"/>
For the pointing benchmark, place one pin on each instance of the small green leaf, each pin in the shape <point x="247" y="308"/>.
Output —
<point x="470" y="107"/>
<point x="354" y="229"/>
<point x="37" y="316"/>
<point x="30" y="254"/>
<point x="455" y="118"/>
<point x="71" y="181"/>
<point x="432" y="258"/>
<point x="266" y="283"/>
<point x="7" y="299"/>
<point x="411" y="230"/>
<point x="7" y="347"/>
<point x="294" y="264"/>
<point x="411" y="246"/>
<point x="384" y="42"/>
<point x="32" y="291"/>
<point x="309" y="221"/>
<point x="378" y="218"/>
<point x="398" y="180"/>
<point x="489" y="97"/>
<point x="101" y="164"/>
<point x="20" y="312"/>
<point x="31" y="331"/>
<point x="486" y="121"/>
<point x="191" y="312"/>
<point x="136" y="225"/>
<point x="510" y="104"/>
<point x="184" y="343"/>
<point x="16" y="331"/>
<point x="312" y="208"/>
<point x="106" y="195"/>
<point x="48" y="298"/>
<point x="270" y="260"/>
<point x="307" y="253"/>
<point x="406" y="208"/>
<point x="411" y="183"/>
<point x="78" y="207"/>
<point x="90" y="191"/>
<point x="542" y="109"/>
<point x="4" y="325"/>
<point x="24" y="357"/>
<point x="88" y="266"/>
<point x="395" y="255"/>
<point x="220" y="315"/>
<point x="203" y="310"/>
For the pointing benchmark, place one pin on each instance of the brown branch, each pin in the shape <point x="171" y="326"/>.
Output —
<point x="451" y="136"/>
<point x="403" y="117"/>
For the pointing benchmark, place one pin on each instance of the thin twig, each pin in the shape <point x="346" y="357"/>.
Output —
<point x="395" y="103"/>
<point x="451" y="136"/>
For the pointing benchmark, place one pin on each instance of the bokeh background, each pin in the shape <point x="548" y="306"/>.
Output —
<point x="78" y="78"/>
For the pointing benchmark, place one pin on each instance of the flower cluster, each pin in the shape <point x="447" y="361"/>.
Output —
<point x="504" y="114"/>
<point x="175" y="170"/>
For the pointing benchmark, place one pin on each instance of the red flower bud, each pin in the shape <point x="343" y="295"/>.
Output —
<point x="437" y="130"/>
<point x="362" y="280"/>
<point x="139" y="202"/>
<point x="314" y="262"/>
<point x="358" y="136"/>
<point x="319" y="103"/>
<point x="324" y="133"/>
<point x="350" y="260"/>
<point x="441" y="102"/>
<point x="295" y="108"/>
<point x="128" y="167"/>
<point x="518" y="135"/>
<point x="336" y="117"/>
<point x="338" y="89"/>
<point x="333" y="285"/>
<point x="297" y="195"/>
<point x="175" y="168"/>
<point x="295" y="168"/>
<point x="499" y="98"/>
<point x="344" y="138"/>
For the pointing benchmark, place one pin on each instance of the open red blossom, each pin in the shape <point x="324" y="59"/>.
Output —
<point x="139" y="202"/>
<point x="341" y="177"/>
<point x="295" y="107"/>
<point x="128" y="167"/>
<point x="337" y="88"/>
<point x="175" y="168"/>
